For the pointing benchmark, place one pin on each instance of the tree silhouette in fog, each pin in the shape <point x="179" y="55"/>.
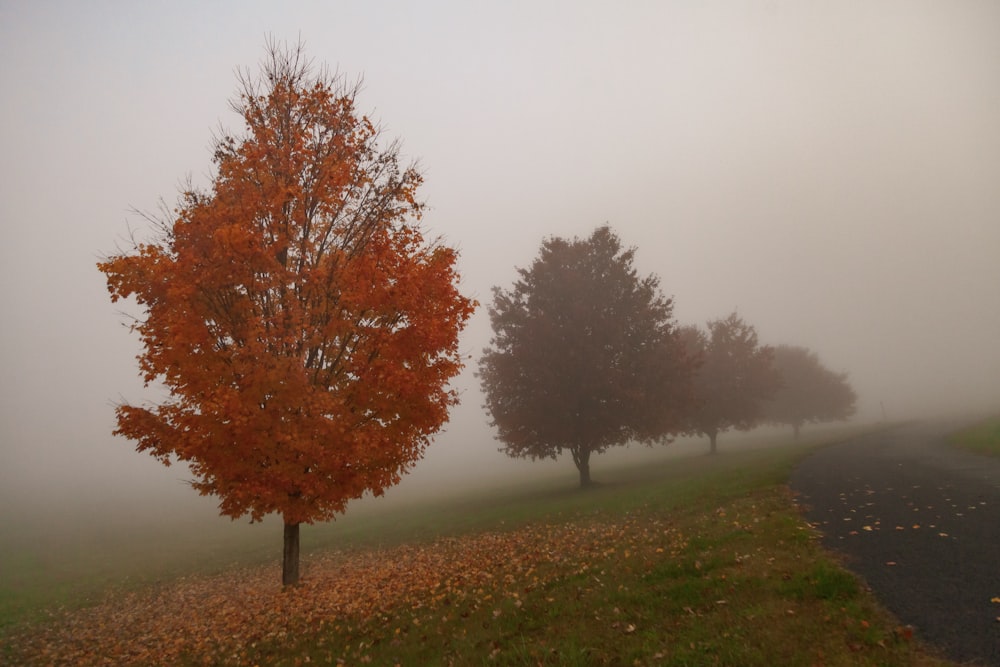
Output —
<point x="304" y="328"/>
<point x="734" y="378"/>
<point x="809" y="391"/>
<point x="585" y="355"/>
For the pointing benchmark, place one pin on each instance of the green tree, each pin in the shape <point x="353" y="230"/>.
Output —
<point x="304" y="328"/>
<point x="733" y="380"/>
<point x="585" y="355"/>
<point x="809" y="391"/>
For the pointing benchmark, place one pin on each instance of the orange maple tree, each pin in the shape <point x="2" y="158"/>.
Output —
<point x="304" y="327"/>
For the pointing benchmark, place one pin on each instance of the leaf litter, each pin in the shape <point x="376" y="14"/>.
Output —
<point x="231" y="618"/>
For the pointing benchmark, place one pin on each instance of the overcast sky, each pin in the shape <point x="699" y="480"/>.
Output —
<point x="831" y="170"/>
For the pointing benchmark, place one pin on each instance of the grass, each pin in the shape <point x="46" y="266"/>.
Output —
<point x="693" y="561"/>
<point x="70" y="562"/>
<point x="982" y="438"/>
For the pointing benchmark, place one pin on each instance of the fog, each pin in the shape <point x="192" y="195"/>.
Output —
<point x="829" y="170"/>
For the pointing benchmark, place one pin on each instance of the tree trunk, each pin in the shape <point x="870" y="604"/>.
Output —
<point x="581" y="458"/>
<point x="290" y="560"/>
<point x="712" y="436"/>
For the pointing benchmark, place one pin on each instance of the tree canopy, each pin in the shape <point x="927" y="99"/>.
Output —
<point x="809" y="391"/>
<point x="303" y="326"/>
<point x="734" y="378"/>
<point x="585" y="355"/>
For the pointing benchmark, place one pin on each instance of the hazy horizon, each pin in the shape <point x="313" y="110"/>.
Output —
<point x="828" y="171"/>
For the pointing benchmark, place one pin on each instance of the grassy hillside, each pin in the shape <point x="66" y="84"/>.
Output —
<point x="982" y="438"/>
<point x="685" y="561"/>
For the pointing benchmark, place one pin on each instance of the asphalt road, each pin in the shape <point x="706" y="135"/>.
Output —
<point x="919" y="521"/>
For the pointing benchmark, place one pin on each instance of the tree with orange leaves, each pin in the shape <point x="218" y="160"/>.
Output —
<point x="304" y="327"/>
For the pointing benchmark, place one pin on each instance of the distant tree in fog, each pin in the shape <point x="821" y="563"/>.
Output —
<point x="809" y="391"/>
<point x="735" y="378"/>
<point x="304" y="328"/>
<point x="585" y="355"/>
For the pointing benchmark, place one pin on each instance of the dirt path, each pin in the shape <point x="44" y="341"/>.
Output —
<point x="920" y="522"/>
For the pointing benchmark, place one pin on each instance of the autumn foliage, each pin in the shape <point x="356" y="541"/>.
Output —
<point x="639" y="578"/>
<point x="809" y="391"/>
<point x="305" y="329"/>
<point x="243" y="618"/>
<point x="585" y="355"/>
<point x="734" y="379"/>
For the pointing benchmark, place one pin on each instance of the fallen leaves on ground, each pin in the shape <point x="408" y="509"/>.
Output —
<point x="226" y="619"/>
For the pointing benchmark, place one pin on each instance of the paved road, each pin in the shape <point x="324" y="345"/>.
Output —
<point x="920" y="522"/>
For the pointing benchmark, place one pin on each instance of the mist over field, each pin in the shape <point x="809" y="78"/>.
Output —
<point x="828" y="171"/>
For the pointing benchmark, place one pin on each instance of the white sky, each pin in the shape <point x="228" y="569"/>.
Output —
<point x="829" y="169"/>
